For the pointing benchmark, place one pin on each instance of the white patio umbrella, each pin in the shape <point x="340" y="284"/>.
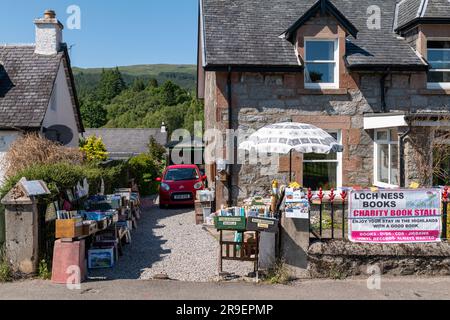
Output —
<point x="282" y="138"/>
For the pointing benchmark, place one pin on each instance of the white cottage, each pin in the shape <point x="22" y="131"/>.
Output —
<point x="37" y="89"/>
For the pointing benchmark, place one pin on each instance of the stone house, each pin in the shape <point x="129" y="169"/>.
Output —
<point x="37" y="89"/>
<point x="375" y="74"/>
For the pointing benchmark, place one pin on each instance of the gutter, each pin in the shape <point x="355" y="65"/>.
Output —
<point x="230" y="127"/>
<point x="383" y="92"/>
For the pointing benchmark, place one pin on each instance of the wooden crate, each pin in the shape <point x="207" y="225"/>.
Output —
<point x="69" y="229"/>
<point x="262" y="224"/>
<point x="89" y="229"/>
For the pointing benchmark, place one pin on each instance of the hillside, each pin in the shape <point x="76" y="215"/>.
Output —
<point x="183" y="75"/>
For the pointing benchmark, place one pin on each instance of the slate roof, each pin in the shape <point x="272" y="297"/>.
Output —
<point x="126" y="143"/>
<point x="246" y="33"/>
<point x="26" y="84"/>
<point x="410" y="11"/>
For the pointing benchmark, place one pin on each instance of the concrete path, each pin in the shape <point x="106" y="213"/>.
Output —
<point x="391" y="289"/>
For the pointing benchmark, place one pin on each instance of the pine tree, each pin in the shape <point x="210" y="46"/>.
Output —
<point x="111" y="85"/>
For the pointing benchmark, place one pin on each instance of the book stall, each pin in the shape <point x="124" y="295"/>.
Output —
<point x="250" y="232"/>
<point x="94" y="235"/>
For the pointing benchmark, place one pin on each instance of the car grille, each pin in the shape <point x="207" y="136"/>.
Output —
<point x="182" y="196"/>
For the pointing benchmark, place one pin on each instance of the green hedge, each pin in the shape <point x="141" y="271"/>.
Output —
<point x="63" y="176"/>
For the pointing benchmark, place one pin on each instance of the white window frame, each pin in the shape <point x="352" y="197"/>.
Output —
<point x="338" y="160"/>
<point x="333" y="85"/>
<point x="438" y="85"/>
<point x="375" y="157"/>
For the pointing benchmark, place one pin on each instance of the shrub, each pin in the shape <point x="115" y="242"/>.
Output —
<point x="145" y="170"/>
<point x="5" y="268"/>
<point x="32" y="149"/>
<point x="279" y="274"/>
<point x="94" y="148"/>
<point x="5" y="272"/>
<point x="63" y="176"/>
<point x="44" y="272"/>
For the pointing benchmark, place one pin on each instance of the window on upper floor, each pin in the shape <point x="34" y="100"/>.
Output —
<point x="438" y="53"/>
<point x="321" y="64"/>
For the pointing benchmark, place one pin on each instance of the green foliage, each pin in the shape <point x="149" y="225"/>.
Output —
<point x="145" y="169"/>
<point x="86" y="80"/>
<point x="93" y="113"/>
<point x="279" y="274"/>
<point x="5" y="268"/>
<point x="44" y="272"/>
<point x="153" y="83"/>
<point x="108" y="103"/>
<point x="138" y="85"/>
<point x="194" y="113"/>
<point x="148" y="108"/>
<point x="110" y="86"/>
<point x="5" y="272"/>
<point x="156" y="150"/>
<point x="63" y="176"/>
<point x="95" y="149"/>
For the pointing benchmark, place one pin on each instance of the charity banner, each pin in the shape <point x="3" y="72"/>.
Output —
<point x="395" y="216"/>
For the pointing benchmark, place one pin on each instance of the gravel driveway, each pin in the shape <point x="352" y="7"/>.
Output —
<point x="168" y="242"/>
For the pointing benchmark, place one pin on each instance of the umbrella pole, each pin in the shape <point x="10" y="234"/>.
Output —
<point x="290" y="166"/>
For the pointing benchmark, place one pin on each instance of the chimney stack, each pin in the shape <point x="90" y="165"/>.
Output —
<point x="48" y="34"/>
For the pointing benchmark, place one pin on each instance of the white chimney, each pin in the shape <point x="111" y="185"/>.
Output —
<point x="48" y="34"/>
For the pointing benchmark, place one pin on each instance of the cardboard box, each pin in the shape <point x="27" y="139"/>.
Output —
<point x="69" y="229"/>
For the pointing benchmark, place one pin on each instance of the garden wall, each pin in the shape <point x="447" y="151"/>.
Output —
<point x="340" y="259"/>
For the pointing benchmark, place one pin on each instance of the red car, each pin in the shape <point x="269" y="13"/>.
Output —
<point x="179" y="185"/>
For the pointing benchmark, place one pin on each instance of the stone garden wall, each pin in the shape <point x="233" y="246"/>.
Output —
<point x="340" y="259"/>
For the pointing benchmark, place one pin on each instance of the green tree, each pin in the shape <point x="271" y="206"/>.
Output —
<point x="93" y="113"/>
<point x="138" y="85"/>
<point x="156" y="150"/>
<point x="94" y="148"/>
<point x="170" y="94"/>
<point x="153" y="83"/>
<point x="194" y="113"/>
<point x="111" y="85"/>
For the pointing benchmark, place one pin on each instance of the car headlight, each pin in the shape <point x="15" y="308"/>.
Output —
<point x="165" y="186"/>
<point x="198" y="185"/>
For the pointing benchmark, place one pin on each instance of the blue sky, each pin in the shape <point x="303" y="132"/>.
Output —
<point x="113" y="32"/>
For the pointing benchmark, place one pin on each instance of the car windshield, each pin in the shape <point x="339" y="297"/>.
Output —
<point x="181" y="174"/>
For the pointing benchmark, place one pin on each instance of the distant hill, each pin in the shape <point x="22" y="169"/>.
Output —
<point x="183" y="75"/>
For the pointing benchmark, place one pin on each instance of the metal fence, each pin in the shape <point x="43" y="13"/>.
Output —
<point x="329" y="214"/>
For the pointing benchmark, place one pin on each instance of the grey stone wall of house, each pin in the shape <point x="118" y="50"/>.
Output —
<point x="340" y="259"/>
<point x="262" y="98"/>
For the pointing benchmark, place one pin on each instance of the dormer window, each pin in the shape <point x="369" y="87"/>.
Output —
<point x="439" y="59"/>
<point x="321" y="64"/>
